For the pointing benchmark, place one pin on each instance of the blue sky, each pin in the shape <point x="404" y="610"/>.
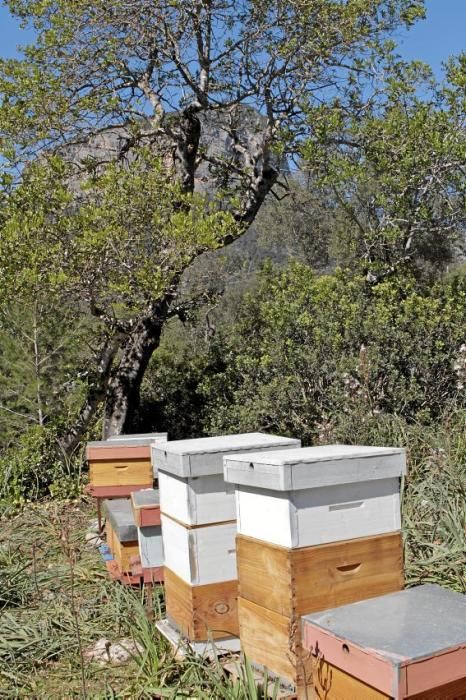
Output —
<point x="433" y="41"/>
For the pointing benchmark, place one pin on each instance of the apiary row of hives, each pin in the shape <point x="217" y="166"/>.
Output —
<point x="292" y="553"/>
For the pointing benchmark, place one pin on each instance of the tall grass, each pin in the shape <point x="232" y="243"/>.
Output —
<point x="434" y="505"/>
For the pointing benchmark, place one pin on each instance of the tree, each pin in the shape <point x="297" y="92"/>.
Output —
<point x="395" y="168"/>
<point x="43" y="356"/>
<point x="102" y="254"/>
<point x="158" y="73"/>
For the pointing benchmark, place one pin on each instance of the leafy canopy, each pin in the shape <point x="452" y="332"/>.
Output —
<point x="97" y="64"/>
<point x="112" y="242"/>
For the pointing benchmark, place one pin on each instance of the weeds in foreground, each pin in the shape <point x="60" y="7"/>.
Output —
<point x="57" y="602"/>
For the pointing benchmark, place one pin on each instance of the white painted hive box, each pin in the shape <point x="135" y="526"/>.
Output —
<point x="200" y="555"/>
<point x="317" y="495"/>
<point x="150" y="546"/>
<point x="191" y="482"/>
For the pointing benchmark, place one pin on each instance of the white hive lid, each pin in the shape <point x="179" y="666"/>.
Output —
<point x="313" y="467"/>
<point x="204" y="456"/>
<point x="138" y="438"/>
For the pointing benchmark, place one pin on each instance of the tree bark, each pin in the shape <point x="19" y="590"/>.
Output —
<point x="123" y="391"/>
<point x="95" y="395"/>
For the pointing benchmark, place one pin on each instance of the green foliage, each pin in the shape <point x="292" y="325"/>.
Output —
<point x="43" y="355"/>
<point x="34" y="467"/>
<point x="133" y="231"/>
<point x="434" y="510"/>
<point x="326" y="357"/>
<point x="172" y="397"/>
<point x="93" y="63"/>
<point x="395" y="167"/>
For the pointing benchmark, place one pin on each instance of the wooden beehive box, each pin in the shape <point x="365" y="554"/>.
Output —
<point x="200" y="555"/>
<point x="120" y="465"/>
<point x="293" y="582"/>
<point x="317" y="495"/>
<point x="141" y="440"/>
<point x="202" y="612"/>
<point x="121" y="530"/>
<point x="146" y="512"/>
<point x="317" y="527"/>
<point x="191" y="481"/>
<point x="199" y="528"/>
<point x="410" y="644"/>
<point x="146" y="507"/>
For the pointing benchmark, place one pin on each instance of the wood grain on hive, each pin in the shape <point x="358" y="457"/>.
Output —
<point x="297" y="581"/>
<point x="122" y="535"/>
<point x="122" y="462"/>
<point x="317" y="527"/>
<point x="410" y="644"/>
<point x="198" y="516"/>
<point x="202" y="611"/>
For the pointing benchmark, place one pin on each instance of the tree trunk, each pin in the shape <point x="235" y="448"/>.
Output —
<point x="122" y="398"/>
<point x="95" y="396"/>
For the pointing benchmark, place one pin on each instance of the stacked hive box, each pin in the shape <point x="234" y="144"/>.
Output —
<point x="199" y="528"/>
<point x="410" y="644"/>
<point x="122" y="534"/>
<point x="121" y="465"/>
<point x="146" y="511"/>
<point x="317" y="527"/>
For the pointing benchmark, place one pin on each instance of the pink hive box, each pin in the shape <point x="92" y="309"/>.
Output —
<point x="409" y="644"/>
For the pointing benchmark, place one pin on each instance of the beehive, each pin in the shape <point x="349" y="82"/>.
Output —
<point x="121" y="465"/>
<point x="410" y="644"/>
<point x="317" y="527"/>
<point x="146" y="512"/>
<point x="121" y="531"/>
<point x="199" y="527"/>
<point x="146" y="507"/>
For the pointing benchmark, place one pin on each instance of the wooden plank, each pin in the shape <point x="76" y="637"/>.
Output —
<point x="114" y="491"/>
<point x="330" y="683"/>
<point x="264" y="574"/>
<point x="109" y="536"/>
<point x="346" y="572"/>
<point x="202" y="611"/>
<point x="145" y="516"/>
<point x="273" y="641"/>
<point x="111" y="451"/>
<point x="149" y="517"/>
<point x="120" y="472"/>
<point x="294" y="582"/>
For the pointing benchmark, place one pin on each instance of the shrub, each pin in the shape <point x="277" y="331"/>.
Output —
<point x="35" y="467"/>
<point x="332" y="357"/>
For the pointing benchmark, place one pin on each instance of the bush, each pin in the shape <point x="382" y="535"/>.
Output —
<point x="333" y="358"/>
<point x="35" y="468"/>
